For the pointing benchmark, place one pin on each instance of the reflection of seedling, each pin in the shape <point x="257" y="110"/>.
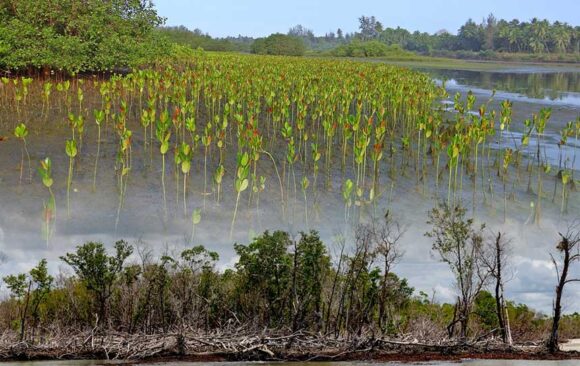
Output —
<point x="45" y="171"/>
<point x="163" y="136"/>
<point x="206" y="141"/>
<point x="218" y="178"/>
<point x="21" y="132"/>
<point x="185" y="156"/>
<point x="71" y="151"/>
<point x="346" y="196"/>
<point x="195" y="219"/>
<point x="240" y="184"/>
<point x="565" y="176"/>
<point x="46" y="90"/>
<point x="305" y="183"/>
<point x="99" y="118"/>
<point x="540" y="122"/>
<point x="507" y="159"/>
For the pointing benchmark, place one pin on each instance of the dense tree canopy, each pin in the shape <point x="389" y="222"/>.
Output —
<point x="197" y="39"/>
<point x="77" y="35"/>
<point x="279" y="44"/>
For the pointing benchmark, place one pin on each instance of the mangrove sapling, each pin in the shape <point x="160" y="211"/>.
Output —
<point x="21" y="132"/>
<point x="17" y="96"/>
<point x="240" y="184"/>
<point x="99" y="118"/>
<point x="71" y="152"/>
<point x="145" y="120"/>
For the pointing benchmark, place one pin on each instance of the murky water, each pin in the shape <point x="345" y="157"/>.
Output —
<point x="466" y="362"/>
<point x="94" y="214"/>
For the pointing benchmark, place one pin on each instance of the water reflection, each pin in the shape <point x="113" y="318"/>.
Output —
<point x="553" y="86"/>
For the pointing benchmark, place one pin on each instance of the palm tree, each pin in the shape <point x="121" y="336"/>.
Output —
<point x="560" y="36"/>
<point x="538" y="35"/>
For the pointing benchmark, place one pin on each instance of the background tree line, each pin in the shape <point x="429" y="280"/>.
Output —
<point x="291" y="284"/>
<point x="490" y="36"/>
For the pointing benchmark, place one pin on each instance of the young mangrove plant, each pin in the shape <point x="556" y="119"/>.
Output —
<point x="21" y="132"/>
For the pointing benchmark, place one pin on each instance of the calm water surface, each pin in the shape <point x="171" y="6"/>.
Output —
<point x="141" y="220"/>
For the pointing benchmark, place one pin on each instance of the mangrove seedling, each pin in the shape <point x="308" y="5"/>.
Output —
<point x="21" y="132"/>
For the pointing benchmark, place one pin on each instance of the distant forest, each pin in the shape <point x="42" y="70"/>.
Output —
<point x="490" y="35"/>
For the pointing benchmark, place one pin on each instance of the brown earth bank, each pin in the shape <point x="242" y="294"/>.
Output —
<point x="244" y="346"/>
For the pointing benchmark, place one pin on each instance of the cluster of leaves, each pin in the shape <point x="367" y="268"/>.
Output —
<point x="75" y="35"/>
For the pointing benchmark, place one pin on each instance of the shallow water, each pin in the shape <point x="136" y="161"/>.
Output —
<point x="530" y="88"/>
<point x="142" y="221"/>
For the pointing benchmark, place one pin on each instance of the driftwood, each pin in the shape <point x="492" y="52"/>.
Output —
<point x="239" y="345"/>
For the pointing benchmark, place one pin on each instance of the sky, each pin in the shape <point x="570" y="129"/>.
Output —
<point x="257" y="18"/>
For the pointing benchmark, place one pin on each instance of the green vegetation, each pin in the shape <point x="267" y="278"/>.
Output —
<point x="378" y="125"/>
<point x="366" y="49"/>
<point x="279" y="44"/>
<point x="493" y="39"/>
<point x="197" y="39"/>
<point x="76" y="35"/>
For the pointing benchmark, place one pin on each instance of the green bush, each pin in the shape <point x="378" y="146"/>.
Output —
<point x="362" y="49"/>
<point x="78" y="35"/>
<point x="279" y="44"/>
